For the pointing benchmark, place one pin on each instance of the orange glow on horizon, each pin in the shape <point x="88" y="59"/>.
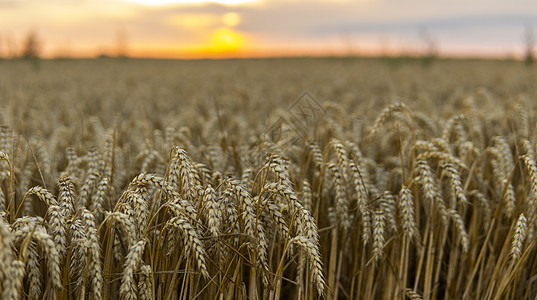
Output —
<point x="166" y="51"/>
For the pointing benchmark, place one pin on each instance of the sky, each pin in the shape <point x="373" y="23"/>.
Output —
<point x="259" y="28"/>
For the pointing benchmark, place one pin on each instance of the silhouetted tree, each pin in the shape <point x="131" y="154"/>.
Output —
<point x="431" y="48"/>
<point x="121" y="42"/>
<point x="32" y="46"/>
<point x="530" y="45"/>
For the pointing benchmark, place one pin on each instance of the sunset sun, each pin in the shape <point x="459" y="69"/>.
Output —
<point x="226" y="40"/>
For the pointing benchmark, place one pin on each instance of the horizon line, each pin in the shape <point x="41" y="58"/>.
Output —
<point x="285" y="56"/>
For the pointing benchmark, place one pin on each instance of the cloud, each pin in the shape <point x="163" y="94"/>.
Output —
<point x="459" y="22"/>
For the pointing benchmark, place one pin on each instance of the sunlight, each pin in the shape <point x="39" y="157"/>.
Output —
<point x="226" y="40"/>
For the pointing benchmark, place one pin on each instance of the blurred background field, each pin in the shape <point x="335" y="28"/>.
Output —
<point x="187" y="92"/>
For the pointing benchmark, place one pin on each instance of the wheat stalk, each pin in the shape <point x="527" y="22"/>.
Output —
<point x="128" y="288"/>
<point x="94" y="250"/>
<point x="13" y="285"/>
<point x="314" y="257"/>
<point x="519" y="236"/>
<point x="192" y="242"/>
<point x="378" y="234"/>
<point x="145" y="284"/>
<point x="406" y="210"/>
<point x="45" y="243"/>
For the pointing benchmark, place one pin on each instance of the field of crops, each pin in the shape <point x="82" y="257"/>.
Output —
<point x="264" y="179"/>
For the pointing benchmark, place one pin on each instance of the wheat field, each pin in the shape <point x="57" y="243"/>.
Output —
<point x="154" y="179"/>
